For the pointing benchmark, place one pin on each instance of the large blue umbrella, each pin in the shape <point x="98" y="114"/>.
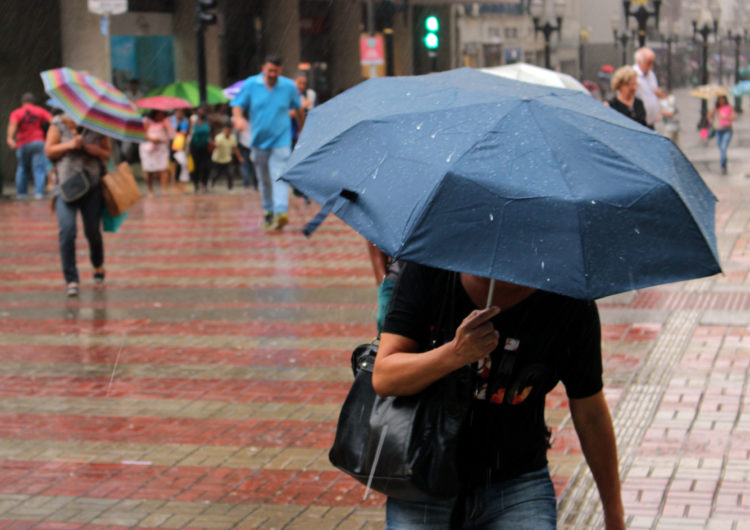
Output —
<point x="523" y="183"/>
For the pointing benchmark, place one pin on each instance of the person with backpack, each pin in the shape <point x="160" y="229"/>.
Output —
<point x="26" y="129"/>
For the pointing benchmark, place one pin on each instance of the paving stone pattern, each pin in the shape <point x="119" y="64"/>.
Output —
<point x="200" y="386"/>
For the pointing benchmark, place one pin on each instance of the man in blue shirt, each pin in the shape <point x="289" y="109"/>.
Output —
<point x="267" y="98"/>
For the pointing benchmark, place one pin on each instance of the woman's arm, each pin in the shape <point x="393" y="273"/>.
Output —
<point x="102" y="150"/>
<point x="54" y="148"/>
<point x="593" y="425"/>
<point x="399" y="372"/>
<point x="378" y="260"/>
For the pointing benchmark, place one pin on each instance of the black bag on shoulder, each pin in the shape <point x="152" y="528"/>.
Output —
<point x="75" y="186"/>
<point x="405" y="446"/>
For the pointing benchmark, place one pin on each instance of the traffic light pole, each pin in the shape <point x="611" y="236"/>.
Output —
<point x="433" y="60"/>
<point x="200" y="41"/>
<point x="203" y="18"/>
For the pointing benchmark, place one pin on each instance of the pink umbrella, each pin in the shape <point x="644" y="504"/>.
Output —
<point x="163" y="103"/>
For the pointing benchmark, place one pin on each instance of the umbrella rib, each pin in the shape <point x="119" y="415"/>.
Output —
<point x="579" y="214"/>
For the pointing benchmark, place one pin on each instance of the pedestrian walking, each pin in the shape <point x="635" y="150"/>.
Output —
<point x="199" y="141"/>
<point x="724" y="115"/>
<point x="154" y="152"/>
<point x="519" y="355"/>
<point x="180" y="123"/>
<point x="225" y="144"/>
<point x="180" y="155"/>
<point x="266" y="99"/>
<point x="648" y="86"/>
<point x="79" y="156"/>
<point x="308" y="99"/>
<point x="625" y="84"/>
<point x="26" y="129"/>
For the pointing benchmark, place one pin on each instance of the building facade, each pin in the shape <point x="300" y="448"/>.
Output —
<point x="154" y="41"/>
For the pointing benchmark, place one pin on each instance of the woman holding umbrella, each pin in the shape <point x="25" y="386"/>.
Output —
<point x="519" y="354"/>
<point x="75" y="151"/>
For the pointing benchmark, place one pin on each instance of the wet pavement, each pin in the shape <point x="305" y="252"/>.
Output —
<point x="199" y="387"/>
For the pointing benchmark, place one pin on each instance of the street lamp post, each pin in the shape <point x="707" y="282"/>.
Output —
<point x="705" y="31"/>
<point x="641" y="15"/>
<point x="737" y="38"/>
<point x="669" y="39"/>
<point x="536" y="9"/>
<point x="623" y="38"/>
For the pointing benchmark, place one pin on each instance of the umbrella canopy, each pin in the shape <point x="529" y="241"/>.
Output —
<point x="94" y="104"/>
<point x="709" y="91"/>
<point x="163" y="103"/>
<point x="232" y="90"/>
<point x="532" y="185"/>
<point x="741" y="88"/>
<point x="189" y="90"/>
<point x="529" y="73"/>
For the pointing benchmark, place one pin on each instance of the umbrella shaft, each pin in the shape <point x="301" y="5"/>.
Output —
<point x="490" y="293"/>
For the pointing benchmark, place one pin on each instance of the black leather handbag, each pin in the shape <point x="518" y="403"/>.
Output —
<point x="407" y="446"/>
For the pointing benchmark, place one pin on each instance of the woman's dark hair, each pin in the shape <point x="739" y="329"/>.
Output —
<point x="719" y="100"/>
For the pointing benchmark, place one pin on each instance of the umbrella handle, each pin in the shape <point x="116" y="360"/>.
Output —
<point x="490" y="293"/>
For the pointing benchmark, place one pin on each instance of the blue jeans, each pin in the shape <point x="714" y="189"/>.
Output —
<point x="269" y="163"/>
<point x="91" y="213"/>
<point x="525" y="503"/>
<point x="723" y="136"/>
<point x="31" y="162"/>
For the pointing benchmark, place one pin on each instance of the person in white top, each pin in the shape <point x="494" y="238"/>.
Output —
<point x="648" y="86"/>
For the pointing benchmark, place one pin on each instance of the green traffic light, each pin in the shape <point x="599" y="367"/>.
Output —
<point x="432" y="23"/>
<point x="431" y="41"/>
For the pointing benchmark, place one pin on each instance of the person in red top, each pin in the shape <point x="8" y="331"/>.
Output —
<point x="26" y="129"/>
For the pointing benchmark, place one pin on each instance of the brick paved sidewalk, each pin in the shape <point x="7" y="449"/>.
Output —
<point x="199" y="388"/>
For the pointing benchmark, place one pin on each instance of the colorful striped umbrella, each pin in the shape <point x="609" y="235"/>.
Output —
<point x="94" y="104"/>
<point x="189" y="90"/>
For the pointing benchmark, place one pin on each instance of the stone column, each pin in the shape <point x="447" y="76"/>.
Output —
<point x="83" y="45"/>
<point x="281" y="32"/>
<point x="345" y="28"/>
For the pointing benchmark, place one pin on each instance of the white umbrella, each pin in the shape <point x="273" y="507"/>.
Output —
<point x="529" y="73"/>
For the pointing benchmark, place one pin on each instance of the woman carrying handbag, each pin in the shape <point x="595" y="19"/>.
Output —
<point x="79" y="156"/>
<point x="518" y="355"/>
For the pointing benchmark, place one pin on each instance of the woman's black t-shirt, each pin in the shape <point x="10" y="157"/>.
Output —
<point x="637" y="112"/>
<point x="544" y="339"/>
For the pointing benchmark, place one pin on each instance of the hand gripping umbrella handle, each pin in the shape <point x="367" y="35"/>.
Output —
<point x="326" y="209"/>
